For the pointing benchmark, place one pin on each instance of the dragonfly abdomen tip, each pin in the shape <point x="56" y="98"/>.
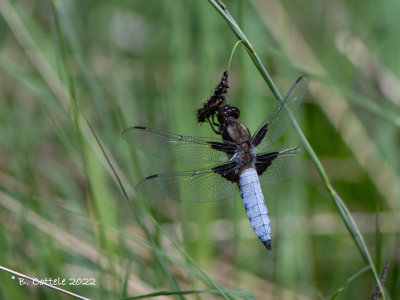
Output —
<point x="267" y="244"/>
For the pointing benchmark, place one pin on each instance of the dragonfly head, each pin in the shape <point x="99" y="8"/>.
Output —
<point x="227" y="113"/>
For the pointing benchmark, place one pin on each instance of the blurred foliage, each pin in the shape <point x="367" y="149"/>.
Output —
<point x="125" y="63"/>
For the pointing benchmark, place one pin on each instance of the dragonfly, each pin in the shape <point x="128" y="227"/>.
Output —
<point x="236" y="159"/>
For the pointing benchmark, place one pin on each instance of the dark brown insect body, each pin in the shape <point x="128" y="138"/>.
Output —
<point x="212" y="104"/>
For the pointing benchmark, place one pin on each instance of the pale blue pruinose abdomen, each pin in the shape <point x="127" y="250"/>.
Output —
<point x="254" y="204"/>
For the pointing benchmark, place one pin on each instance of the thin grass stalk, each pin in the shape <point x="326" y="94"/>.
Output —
<point x="32" y="50"/>
<point x="348" y="281"/>
<point x="239" y="293"/>
<point x="157" y="252"/>
<point x="153" y="245"/>
<point x="341" y="206"/>
<point x="89" y="194"/>
<point x="43" y="283"/>
<point x="189" y="258"/>
<point x="77" y="109"/>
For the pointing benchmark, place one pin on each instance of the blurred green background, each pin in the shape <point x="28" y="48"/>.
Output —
<point x="152" y="63"/>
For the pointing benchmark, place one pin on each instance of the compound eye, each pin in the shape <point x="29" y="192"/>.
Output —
<point x="226" y="112"/>
<point x="235" y="113"/>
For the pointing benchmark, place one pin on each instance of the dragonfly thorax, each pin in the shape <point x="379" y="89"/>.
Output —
<point x="238" y="133"/>
<point x="230" y="129"/>
<point x="244" y="156"/>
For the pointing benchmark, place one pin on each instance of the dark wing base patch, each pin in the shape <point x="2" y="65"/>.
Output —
<point x="228" y="171"/>
<point x="263" y="161"/>
<point x="223" y="147"/>
<point x="260" y="135"/>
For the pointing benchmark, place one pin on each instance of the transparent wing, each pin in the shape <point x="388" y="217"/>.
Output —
<point x="192" y="186"/>
<point x="177" y="147"/>
<point x="278" y="166"/>
<point x="278" y="122"/>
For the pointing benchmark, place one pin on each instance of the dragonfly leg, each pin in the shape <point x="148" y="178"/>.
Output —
<point x="212" y="124"/>
<point x="213" y="120"/>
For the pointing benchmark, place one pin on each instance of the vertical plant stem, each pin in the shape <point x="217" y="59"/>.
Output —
<point x="77" y="110"/>
<point x="341" y="206"/>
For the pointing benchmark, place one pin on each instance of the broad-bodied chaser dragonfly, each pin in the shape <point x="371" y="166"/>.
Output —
<point x="239" y="159"/>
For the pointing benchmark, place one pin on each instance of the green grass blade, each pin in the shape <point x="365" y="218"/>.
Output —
<point x="208" y="279"/>
<point x="243" y="294"/>
<point x="343" y="210"/>
<point x="154" y="247"/>
<point x="348" y="281"/>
